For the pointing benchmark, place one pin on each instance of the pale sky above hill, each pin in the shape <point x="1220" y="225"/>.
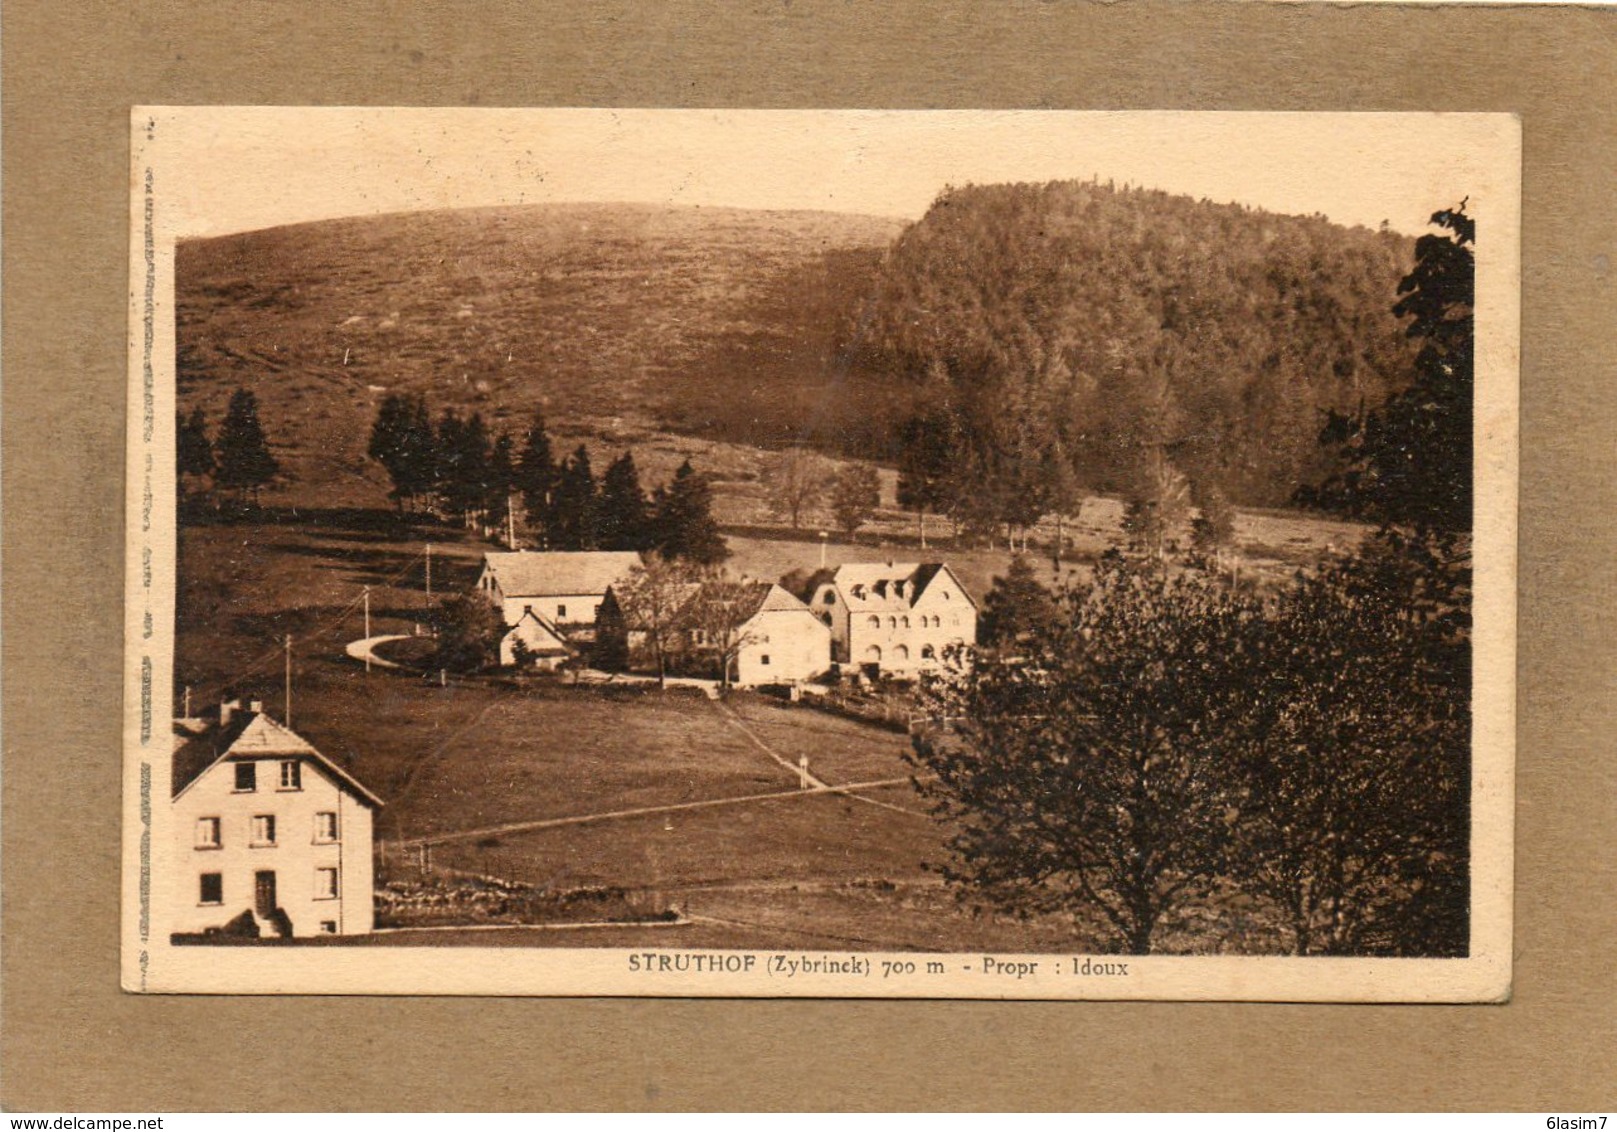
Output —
<point x="231" y="169"/>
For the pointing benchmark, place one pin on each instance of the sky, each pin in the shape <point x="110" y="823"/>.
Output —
<point x="232" y="169"/>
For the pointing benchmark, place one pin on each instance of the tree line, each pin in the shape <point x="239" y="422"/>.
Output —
<point x="238" y="460"/>
<point x="1144" y="748"/>
<point x="1081" y="338"/>
<point x="456" y="467"/>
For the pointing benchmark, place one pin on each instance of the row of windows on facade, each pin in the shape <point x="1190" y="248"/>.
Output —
<point x="247" y="776"/>
<point x="935" y="622"/>
<point x="210" y="830"/>
<point x="858" y="592"/>
<point x="327" y="886"/>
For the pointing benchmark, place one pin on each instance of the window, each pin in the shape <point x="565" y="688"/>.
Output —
<point x="830" y="597"/>
<point x="561" y="612"/>
<point x="859" y="592"/>
<point x="264" y="829"/>
<point x="905" y="620"/>
<point x="764" y="659"/>
<point x="928" y="653"/>
<point x="246" y="777"/>
<point x="325" y="884"/>
<point x="892" y="622"/>
<point x="291" y="775"/>
<point x="207" y="833"/>
<point x="212" y="889"/>
<point x="328" y="927"/>
<point x="325" y="827"/>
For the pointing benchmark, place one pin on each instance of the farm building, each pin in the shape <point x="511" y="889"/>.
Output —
<point x="764" y="634"/>
<point x="532" y="637"/>
<point x="563" y="588"/>
<point x="271" y="837"/>
<point x="895" y="618"/>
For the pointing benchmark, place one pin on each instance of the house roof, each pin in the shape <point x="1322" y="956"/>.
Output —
<point x="869" y="586"/>
<point x="559" y="573"/>
<point x="557" y="644"/>
<point x="746" y="600"/>
<point x="248" y="735"/>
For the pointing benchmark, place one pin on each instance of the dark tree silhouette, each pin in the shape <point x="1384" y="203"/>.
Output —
<point x="244" y="464"/>
<point x="193" y="452"/>
<point x="537" y="475"/>
<point x="575" y="505"/>
<point x="625" y="517"/>
<point x="1088" y="777"/>
<point x="855" y="495"/>
<point x="403" y="441"/>
<point x="1355" y="790"/>
<point x="1014" y="607"/>
<point x="469" y="630"/>
<point x="683" y="520"/>
<point x="1408" y="461"/>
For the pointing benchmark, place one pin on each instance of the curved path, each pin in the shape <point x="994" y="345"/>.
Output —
<point x="364" y="650"/>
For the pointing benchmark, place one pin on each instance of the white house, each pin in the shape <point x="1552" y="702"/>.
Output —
<point x="780" y="641"/>
<point x="563" y="587"/>
<point x="895" y="618"/>
<point x="770" y="636"/>
<point x="545" y="644"/>
<point x="267" y="830"/>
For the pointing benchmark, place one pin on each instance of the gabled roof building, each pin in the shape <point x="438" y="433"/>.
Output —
<point x="896" y="618"/>
<point x="272" y="838"/>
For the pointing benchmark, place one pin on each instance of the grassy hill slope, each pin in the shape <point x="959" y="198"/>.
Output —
<point x="618" y="320"/>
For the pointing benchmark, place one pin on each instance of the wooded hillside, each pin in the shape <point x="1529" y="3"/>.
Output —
<point x="1132" y="327"/>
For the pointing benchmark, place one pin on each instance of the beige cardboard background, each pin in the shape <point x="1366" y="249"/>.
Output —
<point x="73" y="1041"/>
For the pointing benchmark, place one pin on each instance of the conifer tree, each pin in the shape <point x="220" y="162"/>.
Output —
<point x="1015" y="606"/>
<point x="193" y="452"/>
<point x="502" y="477"/>
<point x="684" y="520"/>
<point x="536" y="479"/>
<point x="624" y="517"/>
<point x="241" y="450"/>
<point x="575" y="518"/>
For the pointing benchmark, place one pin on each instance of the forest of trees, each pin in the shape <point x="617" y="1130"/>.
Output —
<point x="454" y="467"/>
<point x="1077" y="337"/>
<point x="1189" y="741"/>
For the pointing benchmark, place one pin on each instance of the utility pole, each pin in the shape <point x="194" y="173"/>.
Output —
<point x="367" y="628"/>
<point x="510" y="522"/>
<point x="429" y="572"/>
<point x="289" y="680"/>
<point x="188" y="701"/>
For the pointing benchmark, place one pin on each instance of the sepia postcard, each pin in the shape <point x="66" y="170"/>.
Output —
<point x="821" y="553"/>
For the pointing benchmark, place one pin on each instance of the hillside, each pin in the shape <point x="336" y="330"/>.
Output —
<point x="1121" y="327"/>
<point x="618" y="320"/>
<point x="1104" y="327"/>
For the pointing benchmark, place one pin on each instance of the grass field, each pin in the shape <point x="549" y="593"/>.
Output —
<point x="731" y="842"/>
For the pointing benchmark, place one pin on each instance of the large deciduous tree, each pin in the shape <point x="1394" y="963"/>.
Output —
<point x="1088" y="776"/>
<point x="855" y="495"/>
<point x="796" y="483"/>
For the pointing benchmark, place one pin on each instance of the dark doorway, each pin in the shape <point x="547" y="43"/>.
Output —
<point x="264" y="894"/>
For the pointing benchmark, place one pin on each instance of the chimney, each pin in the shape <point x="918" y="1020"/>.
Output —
<point x="256" y="707"/>
<point x="227" y="709"/>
